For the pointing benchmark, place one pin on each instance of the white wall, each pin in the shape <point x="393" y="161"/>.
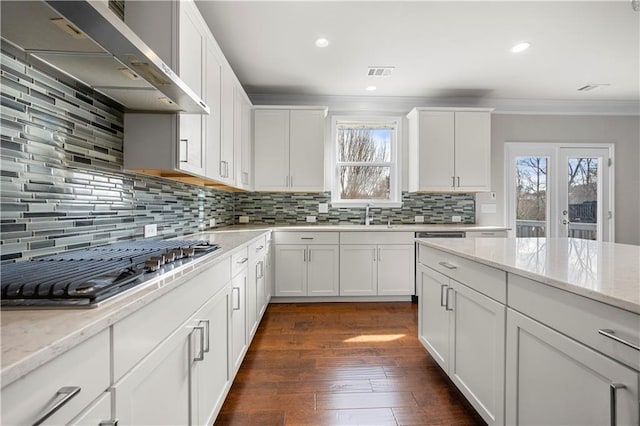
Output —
<point x="622" y="131"/>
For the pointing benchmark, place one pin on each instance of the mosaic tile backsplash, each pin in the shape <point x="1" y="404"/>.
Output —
<point x="293" y="208"/>
<point x="63" y="186"/>
<point x="61" y="173"/>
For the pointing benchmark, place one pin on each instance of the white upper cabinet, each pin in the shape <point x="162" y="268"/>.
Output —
<point x="242" y="139"/>
<point x="289" y="149"/>
<point x="449" y="150"/>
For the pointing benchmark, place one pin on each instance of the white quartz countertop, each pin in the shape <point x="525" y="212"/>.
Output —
<point x="606" y="272"/>
<point x="374" y="228"/>
<point x="30" y="338"/>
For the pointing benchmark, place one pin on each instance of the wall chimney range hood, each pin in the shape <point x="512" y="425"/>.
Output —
<point x="87" y="41"/>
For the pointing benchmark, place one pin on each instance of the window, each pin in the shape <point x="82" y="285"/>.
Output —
<point x="366" y="169"/>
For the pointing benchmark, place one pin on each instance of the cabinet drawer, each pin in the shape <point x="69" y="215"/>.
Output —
<point x="136" y="335"/>
<point x="307" y="237"/>
<point x="578" y="317"/>
<point x="489" y="281"/>
<point x="381" y="237"/>
<point x="86" y="366"/>
<point x="486" y="234"/>
<point x="258" y="248"/>
<point x="239" y="261"/>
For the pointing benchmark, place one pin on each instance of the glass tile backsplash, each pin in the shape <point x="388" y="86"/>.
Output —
<point x="63" y="186"/>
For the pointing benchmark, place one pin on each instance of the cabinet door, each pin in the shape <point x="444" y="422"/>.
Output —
<point x="436" y="151"/>
<point x="243" y="148"/>
<point x="238" y="320"/>
<point x="227" y="124"/>
<point x="306" y="150"/>
<point x="358" y="270"/>
<point x="433" y="322"/>
<point x="156" y="391"/>
<point x="554" y="380"/>
<point x="261" y="287"/>
<point x="395" y="270"/>
<point x="473" y="151"/>
<point x="211" y="375"/>
<point x="213" y="98"/>
<point x="191" y="144"/>
<point x="252" y="299"/>
<point x="191" y="38"/>
<point x="477" y="345"/>
<point x="291" y="270"/>
<point x="323" y="273"/>
<point x="271" y="150"/>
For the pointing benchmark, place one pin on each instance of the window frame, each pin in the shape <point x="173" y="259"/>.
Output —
<point x="394" y="164"/>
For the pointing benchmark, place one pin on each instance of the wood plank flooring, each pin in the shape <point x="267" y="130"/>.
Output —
<point x="342" y="364"/>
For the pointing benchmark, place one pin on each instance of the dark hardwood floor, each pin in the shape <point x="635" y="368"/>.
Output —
<point x="342" y="364"/>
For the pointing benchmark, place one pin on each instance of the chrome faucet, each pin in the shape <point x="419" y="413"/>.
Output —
<point x="367" y="219"/>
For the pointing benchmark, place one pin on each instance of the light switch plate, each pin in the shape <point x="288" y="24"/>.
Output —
<point x="419" y="219"/>
<point x="456" y="219"/>
<point x="212" y="223"/>
<point x="243" y="219"/>
<point x="311" y="219"/>
<point x="150" y="230"/>
<point x="323" y="208"/>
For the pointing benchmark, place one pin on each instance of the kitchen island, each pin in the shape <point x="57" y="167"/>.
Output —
<point x="535" y="331"/>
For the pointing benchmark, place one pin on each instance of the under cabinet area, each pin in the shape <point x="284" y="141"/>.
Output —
<point x="450" y="149"/>
<point x="289" y="148"/>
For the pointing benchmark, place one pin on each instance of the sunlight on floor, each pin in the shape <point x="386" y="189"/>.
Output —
<point x="375" y="338"/>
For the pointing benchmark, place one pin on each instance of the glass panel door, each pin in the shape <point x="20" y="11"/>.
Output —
<point x="532" y="209"/>
<point x="582" y="194"/>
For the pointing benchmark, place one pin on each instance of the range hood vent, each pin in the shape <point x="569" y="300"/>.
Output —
<point x="88" y="41"/>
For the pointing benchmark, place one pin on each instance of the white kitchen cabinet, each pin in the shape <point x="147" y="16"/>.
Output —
<point x="463" y="330"/>
<point x="358" y="270"/>
<point x="255" y="286"/>
<point x="449" y="150"/>
<point x="242" y="139"/>
<point x="289" y="149"/>
<point x="395" y="269"/>
<point x="238" y="345"/>
<point x="77" y="377"/>
<point x="227" y="111"/>
<point x="306" y="270"/>
<point x="169" y="141"/>
<point x="555" y="380"/>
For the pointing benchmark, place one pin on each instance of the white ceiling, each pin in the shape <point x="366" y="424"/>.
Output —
<point x="438" y="49"/>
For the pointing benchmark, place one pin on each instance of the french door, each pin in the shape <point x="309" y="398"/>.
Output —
<point x="560" y="190"/>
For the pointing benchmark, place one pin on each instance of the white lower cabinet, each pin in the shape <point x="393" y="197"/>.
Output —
<point x="238" y="345"/>
<point x="376" y="270"/>
<point x="463" y="330"/>
<point x="307" y="270"/>
<point x="554" y="380"/>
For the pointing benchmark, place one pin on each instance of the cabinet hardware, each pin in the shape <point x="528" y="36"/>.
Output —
<point x="304" y="255"/>
<point x="207" y="333"/>
<point x="199" y="357"/>
<point x="447" y="303"/>
<point x="184" y="152"/>
<point x="291" y="180"/>
<point x="64" y="395"/>
<point x="611" y="335"/>
<point x="309" y="255"/>
<point x="260" y="268"/>
<point x="442" y="287"/>
<point x="237" y="298"/>
<point x="243" y="260"/>
<point x="373" y="252"/>
<point x="448" y="265"/>
<point x="612" y="400"/>
<point x="259" y="248"/>
<point x="221" y="168"/>
<point x="306" y="238"/>
<point x="453" y="181"/>
<point x="113" y="422"/>
<point x="379" y="254"/>
<point x="286" y="179"/>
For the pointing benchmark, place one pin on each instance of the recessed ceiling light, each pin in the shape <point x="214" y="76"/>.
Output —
<point x="322" y="42"/>
<point x="520" y="47"/>
<point x="371" y="88"/>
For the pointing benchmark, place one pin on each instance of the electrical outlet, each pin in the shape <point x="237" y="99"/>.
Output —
<point x="212" y="223"/>
<point x="150" y="230"/>
<point x="323" y="208"/>
<point x="456" y="219"/>
<point x="311" y="219"/>
<point x="243" y="219"/>
<point x="419" y="219"/>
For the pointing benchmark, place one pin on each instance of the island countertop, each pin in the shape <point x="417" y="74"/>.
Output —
<point x="606" y="272"/>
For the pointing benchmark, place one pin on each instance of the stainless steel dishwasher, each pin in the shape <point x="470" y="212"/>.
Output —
<point x="433" y="234"/>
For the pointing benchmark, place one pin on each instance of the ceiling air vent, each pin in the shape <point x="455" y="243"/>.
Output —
<point x="590" y="87"/>
<point x="380" y="71"/>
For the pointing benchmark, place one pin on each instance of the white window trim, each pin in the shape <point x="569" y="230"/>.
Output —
<point x="551" y="150"/>
<point x="395" y="174"/>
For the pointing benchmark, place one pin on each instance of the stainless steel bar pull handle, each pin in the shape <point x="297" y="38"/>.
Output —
<point x="304" y="255"/>
<point x="243" y="260"/>
<point x="448" y="265"/>
<point x="207" y="333"/>
<point x="306" y="238"/>
<point x="611" y="335"/>
<point x="309" y="255"/>
<point x="442" y="287"/>
<point x="237" y="298"/>
<point x="286" y="179"/>
<point x="458" y="181"/>
<point x="448" y="298"/>
<point x="113" y="422"/>
<point x="379" y="254"/>
<point x="64" y="395"/>
<point x="184" y="150"/>
<point x="613" y="402"/>
<point x="199" y="328"/>
<point x="453" y="181"/>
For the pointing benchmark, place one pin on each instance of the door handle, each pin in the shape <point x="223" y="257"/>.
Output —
<point x="613" y="391"/>
<point x="442" y="287"/>
<point x="207" y="334"/>
<point x="453" y="181"/>
<point x="448" y="265"/>
<point x="63" y="395"/>
<point x="237" y="298"/>
<point x="379" y="254"/>
<point x="200" y="357"/>
<point x="458" y="181"/>
<point x="447" y="304"/>
<point x="184" y="150"/>
<point x="309" y="255"/>
<point x="611" y="335"/>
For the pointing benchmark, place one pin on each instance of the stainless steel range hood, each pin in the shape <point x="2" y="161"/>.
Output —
<point x="87" y="41"/>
